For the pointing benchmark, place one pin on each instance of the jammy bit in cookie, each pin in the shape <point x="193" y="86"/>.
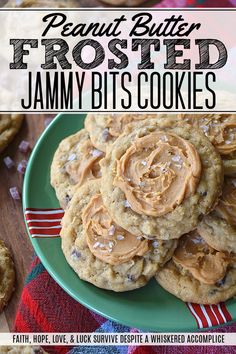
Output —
<point x="103" y="253"/>
<point x="104" y="129"/>
<point x="219" y="227"/>
<point x="75" y="161"/>
<point x="160" y="177"/>
<point x="221" y="131"/>
<point x="198" y="272"/>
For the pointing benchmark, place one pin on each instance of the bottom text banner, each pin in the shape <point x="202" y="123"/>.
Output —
<point x="73" y="339"/>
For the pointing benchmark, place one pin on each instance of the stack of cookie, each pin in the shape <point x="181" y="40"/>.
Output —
<point x="143" y="197"/>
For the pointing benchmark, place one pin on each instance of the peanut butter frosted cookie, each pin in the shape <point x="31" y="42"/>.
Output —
<point x="7" y="276"/>
<point x="221" y="131"/>
<point x="103" y="253"/>
<point x="219" y="227"/>
<point x="9" y="126"/>
<point x="160" y="178"/>
<point x="104" y="129"/>
<point x="74" y="163"/>
<point x="199" y="273"/>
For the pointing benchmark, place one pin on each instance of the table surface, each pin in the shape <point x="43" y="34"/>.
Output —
<point x="12" y="229"/>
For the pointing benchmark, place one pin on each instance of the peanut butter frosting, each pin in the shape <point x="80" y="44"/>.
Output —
<point x="204" y="262"/>
<point x="106" y="240"/>
<point x="86" y="167"/>
<point x="219" y="128"/>
<point x="226" y="207"/>
<point x="116" y="123"/>
<point x="157" y="172"/>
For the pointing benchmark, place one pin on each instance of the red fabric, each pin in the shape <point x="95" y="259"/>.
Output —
<point x="45" y="307"/>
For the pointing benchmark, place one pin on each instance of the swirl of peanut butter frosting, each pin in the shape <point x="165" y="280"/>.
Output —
<point x="87" y="166"/>
<point x="219" y="128"/>
<point x="106" y="240"/>
<point x="204" y="262"/>
<point x="226" y="208"/>
<point x="157" y="172"/>
<point x="117" y="123"/>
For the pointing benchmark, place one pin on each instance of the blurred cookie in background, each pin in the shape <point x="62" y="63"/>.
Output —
<point x="9" y="126"/>
<point x="7" y="276"/>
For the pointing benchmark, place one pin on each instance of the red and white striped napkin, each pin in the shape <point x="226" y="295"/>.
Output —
<point x="209" y="315"/>
<point x="44" y="222"/>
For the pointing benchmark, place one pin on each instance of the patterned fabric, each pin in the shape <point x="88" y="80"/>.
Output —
<point x="45" y="307"/>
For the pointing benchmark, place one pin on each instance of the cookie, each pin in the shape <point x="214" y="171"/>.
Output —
<point x="22" y="350"/>
<point x="74" y="163"/>
<point x="198" y="273"/>
<point x="221" y="131"/>
<point x="7" y="276"/>
<point x="9" y="126"/>
<point x="219" y="227"/>
<point x="160" y="178"/>
<point x="229" y="167"/>
<point x="104" y="129"/>
<point x="42" y="3"/>
<point x="103" y="253"/>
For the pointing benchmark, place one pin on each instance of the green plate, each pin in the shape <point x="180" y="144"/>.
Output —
<point x="149" y="308"/>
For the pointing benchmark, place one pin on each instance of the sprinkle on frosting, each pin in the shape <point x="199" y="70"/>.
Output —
<point x="219" y="128"/>
<point x="87" y="166"/>
<point x="204" y="262"/>
<point x="157" y="175"/>
<point x="106" y="240"/>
